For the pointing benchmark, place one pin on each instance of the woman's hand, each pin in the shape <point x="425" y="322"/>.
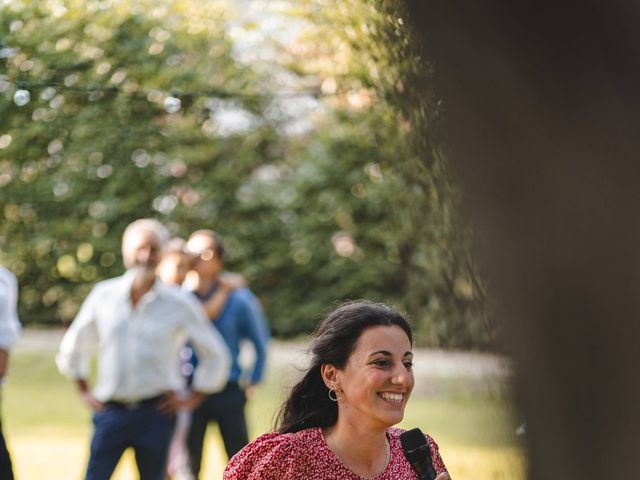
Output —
<point x="172" y="402"/>
<point x="443" y="476"/>
<point x="231" y="281"/>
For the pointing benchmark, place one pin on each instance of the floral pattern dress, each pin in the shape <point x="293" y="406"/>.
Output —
<point x="305" y="455"/>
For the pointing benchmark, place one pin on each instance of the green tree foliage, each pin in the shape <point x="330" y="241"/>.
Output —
<point x="307" y="154"/>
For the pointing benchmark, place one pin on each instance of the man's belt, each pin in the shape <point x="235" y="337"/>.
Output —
<point x="133" y="404"/>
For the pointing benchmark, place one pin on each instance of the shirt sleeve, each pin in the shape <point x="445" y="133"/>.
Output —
<point x="436" y="459"/>
<point x="270" y="456"/>
<point x="9" y="323"/>
<point x="78" y="341"/>
<point x="255" y="328"/>
<point x="214" y="360"/>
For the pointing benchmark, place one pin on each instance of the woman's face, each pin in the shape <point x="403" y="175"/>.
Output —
<point x="377" y="380"/>
<point x="173" y="268"/>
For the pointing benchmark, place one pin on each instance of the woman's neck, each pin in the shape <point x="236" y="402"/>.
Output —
<point x="364" y="451"/>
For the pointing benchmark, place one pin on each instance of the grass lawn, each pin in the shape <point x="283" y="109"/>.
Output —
<point x="466" y="410"/>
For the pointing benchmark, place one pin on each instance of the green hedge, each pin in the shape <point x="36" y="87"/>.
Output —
<point x="320" y="161"/>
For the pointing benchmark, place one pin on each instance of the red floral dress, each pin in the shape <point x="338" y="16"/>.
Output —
<point x="304" y="455"/>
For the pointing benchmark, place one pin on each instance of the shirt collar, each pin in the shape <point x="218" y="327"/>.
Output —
<point x="127" y="283"/>
<point x="208" y="294"/>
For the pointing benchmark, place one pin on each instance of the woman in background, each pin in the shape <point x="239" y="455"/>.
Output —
<point x="173" y="270"/>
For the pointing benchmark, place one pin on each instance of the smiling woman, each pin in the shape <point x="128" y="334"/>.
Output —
<point x="377" y="380"/>
<point x="336" y="423"/>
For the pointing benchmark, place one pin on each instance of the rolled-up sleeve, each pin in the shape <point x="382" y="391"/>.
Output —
<point x="255" y="328"/>
<point x="214" y="360"/>
<point x="9" y="323"/>
<point x="77" y="344"/>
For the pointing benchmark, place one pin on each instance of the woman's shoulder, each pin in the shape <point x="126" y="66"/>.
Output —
<point x="279" y="441"/>
<point x="272" y="454"/>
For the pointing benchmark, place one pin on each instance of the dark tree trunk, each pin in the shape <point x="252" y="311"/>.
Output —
<point x="542" y="100"/>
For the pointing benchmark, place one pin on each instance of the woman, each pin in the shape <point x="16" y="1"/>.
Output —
<point x="336" y="423"/>
<point x="173" y="268"/>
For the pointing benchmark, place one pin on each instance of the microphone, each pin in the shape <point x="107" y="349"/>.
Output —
<point x="417" y="451"/>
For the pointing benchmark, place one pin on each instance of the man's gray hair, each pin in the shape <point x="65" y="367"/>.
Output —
<point x="149" y="224"/>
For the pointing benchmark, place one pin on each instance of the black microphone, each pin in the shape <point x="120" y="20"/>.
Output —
<point x="418" y="453"/>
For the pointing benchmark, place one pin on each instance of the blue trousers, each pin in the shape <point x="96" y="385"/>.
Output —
<point x="142" y="428"/>
<point x="6" y="472"/>
<point x="227" y="409"/>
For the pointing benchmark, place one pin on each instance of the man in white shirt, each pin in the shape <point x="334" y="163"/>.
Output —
<point x="9" y="332"/>
<point x="139" y="325"/>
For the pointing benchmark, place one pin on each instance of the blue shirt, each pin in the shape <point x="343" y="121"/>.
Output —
<point x="242" y="319"/>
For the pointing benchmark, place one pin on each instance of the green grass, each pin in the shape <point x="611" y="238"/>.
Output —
<point x="48" y="428"/>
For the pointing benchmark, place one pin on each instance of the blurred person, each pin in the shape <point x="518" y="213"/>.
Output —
<point x="174" y="263"/>
<point x="9" y="332"/>
<point x="337" y="421"/>
<point x="139" y="325"/>
<point x="241" y="319"/>
<point x="172" y="270"/>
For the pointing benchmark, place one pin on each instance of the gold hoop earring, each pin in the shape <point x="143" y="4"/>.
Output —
<point x="333" y="398"/>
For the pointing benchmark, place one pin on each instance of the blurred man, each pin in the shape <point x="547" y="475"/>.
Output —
<point x="241" y="319"/>
<point x="9" y="331"/>
<point x="139" y="324"/>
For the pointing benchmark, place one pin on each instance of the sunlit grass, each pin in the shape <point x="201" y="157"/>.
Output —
<point x="48" y="428"/>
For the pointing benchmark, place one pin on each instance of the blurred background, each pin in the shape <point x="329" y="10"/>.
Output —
<point x="307" y="133"/>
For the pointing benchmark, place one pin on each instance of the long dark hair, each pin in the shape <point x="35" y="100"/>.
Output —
<point x="308" y="404"/>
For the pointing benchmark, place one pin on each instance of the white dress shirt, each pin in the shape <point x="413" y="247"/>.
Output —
<point x="138" y="347"/>
<point x="9" y="323"/>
